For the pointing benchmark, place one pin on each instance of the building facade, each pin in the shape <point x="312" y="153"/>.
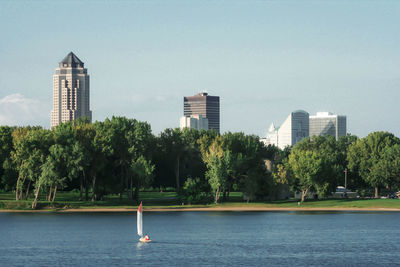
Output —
<point x="326" y="123"/>
<point x="205" y="105"/>
<point x="71" y="99"/>
<point x="197" y="122"/>
<point x="292" y="130"/>
<point x="299" y="124"/>
<point x="272" y="136"/>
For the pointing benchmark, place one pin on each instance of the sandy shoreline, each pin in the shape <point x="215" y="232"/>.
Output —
<point x="207" y="209"/>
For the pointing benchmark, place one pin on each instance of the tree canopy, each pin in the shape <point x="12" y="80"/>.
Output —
<point x="120" y="156"/>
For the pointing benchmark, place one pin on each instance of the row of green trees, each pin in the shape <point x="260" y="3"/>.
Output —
<point x="113" y="156"/>
<point x="317" y="163"/>
<point x="120" y="156"/>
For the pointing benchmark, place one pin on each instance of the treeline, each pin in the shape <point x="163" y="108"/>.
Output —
<point x="121" y="156"/>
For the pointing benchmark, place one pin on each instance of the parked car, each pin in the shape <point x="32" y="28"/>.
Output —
<point x="394" y="195"/>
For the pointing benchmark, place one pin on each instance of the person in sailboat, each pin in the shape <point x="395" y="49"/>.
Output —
<point x="146" y="237"/>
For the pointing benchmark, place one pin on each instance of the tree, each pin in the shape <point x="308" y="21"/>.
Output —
<point x="354" y="180"/>
<point x="248" y="173"/>
<point x="141" y="145"/>
<point x="66" y="156"/>
<point x="8" y="173"/>
<point x="118" y="129"/>
<point x="84" y="134"/>
<point x="142" y="170"/>
<point x="217" y="173"/>
<point x="192" y="163"/>
<point x="174" y="149"/>
<point x="218" y="160"/>
<point x="371" y="156"/>
<point x="100" y="164"/>
<point x="307" y="167"/>
<point x="391" y="165"/>
<point x="31" y="146"/>
<point x="53" y="173"/>
<point x="331" y="173"/>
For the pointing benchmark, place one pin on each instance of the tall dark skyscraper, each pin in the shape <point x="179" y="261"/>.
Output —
<point x="205" y="105"/>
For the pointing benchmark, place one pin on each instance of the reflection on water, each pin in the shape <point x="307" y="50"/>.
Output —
<point x="201" y="239"/>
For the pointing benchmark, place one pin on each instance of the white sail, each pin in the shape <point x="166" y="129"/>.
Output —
<point x="140" y="221"/>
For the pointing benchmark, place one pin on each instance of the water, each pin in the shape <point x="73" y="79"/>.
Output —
<point x="201" y="239"/>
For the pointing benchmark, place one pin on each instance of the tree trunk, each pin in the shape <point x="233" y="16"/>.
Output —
<point x="304" y="194"/>
<point x="54" y="193"/>
<point x="376" y="192"/>
<point x="122" y="183"/>
<point x="27" y="190"/>
<point x="34" y="203"/>
<point x="21" y="192"/>
<point x="16" y="188"/>
<point x="217" y="196"/>
<point x="80" y="188"/>
<point x="177" y="173"/>
<point x="94" y="189"/>
<point x="131" y="189"/>
<point x="49" y="196"/>
<point x="87" y="190"/>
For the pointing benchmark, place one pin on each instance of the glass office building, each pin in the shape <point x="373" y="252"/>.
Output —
<point x="326" y="123"/>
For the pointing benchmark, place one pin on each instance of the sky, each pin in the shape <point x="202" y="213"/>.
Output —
<point x="264" y="59"/>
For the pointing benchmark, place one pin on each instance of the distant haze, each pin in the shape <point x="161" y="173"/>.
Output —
<point x="264" y="59"/>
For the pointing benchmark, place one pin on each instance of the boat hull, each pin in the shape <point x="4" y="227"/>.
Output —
<point x="143" y="240"/>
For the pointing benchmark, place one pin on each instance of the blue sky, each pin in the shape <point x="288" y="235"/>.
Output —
<point x="263" y="58"/>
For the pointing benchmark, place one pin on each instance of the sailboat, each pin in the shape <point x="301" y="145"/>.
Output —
<point x="140" y="225"/>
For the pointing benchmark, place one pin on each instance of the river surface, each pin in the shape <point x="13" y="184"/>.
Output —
<point x="201" y="239"/>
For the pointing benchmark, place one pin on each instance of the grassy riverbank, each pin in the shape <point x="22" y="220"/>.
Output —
<point x="158" y="201"/>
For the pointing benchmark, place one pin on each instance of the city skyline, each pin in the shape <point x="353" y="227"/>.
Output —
<point x="264" y="59"/>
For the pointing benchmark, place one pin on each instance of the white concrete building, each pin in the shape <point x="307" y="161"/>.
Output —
<point x="272" y="136"/>
<point x="293" y="130"/>
<point x="70" y="91"/>
<point x="197" y="122"/>
<point x="326" y="123"/>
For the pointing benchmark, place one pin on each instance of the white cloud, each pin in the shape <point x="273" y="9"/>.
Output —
<point x="18" y="110"/>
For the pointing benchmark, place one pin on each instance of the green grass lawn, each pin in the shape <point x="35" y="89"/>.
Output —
<point x="71" y="200"/>
<point x="169" y="200"/>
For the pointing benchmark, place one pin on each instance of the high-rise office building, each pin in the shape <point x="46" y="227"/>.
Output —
<point x="299" y="124"/>
<point x="292" y="130"/>
<point x="326" y="123"/>
<point x="205" y="105"/>
<point x="70" y="91"/>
